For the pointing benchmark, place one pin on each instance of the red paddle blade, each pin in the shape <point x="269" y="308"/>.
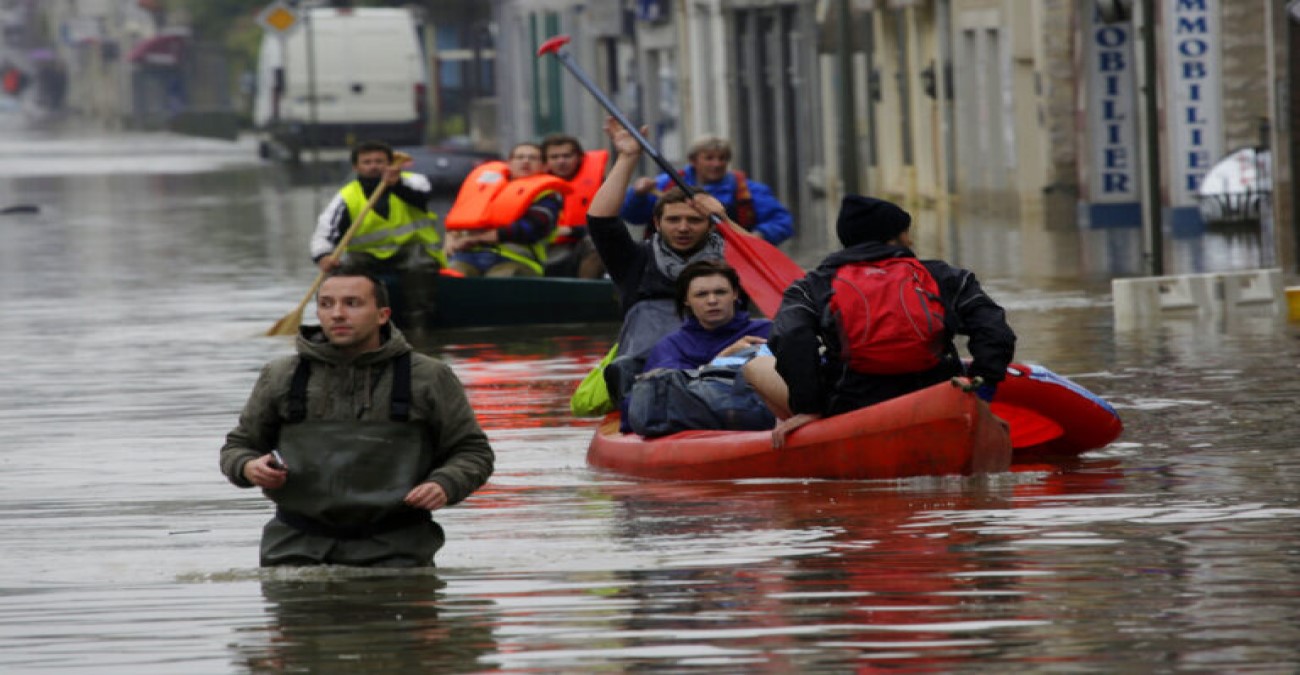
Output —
<point x="1028" y="427"/>
<point x="764" y="270"/>
<point x="553" y="45"/>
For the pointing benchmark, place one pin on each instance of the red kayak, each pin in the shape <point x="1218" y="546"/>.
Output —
<point x="933" y="432"/>
<point x="1051" y="415"/>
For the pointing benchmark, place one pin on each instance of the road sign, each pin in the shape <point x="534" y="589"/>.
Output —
<point x="279" y="17"/>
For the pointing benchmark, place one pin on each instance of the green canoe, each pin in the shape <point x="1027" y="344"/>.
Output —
<point x="434" y="301"/>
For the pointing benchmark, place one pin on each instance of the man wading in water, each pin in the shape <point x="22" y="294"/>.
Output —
<point x="368" y="436"/>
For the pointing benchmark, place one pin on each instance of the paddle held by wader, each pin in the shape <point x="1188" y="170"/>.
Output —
<point x="288" y="324"/>
<point x="764" y="270"/>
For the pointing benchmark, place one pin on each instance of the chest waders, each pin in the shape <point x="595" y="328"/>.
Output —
<point x="347" y="479"/>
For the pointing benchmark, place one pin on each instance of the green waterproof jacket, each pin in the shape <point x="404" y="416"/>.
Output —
<point x="360" y="389"/>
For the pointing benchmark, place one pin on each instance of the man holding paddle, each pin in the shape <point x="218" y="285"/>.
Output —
<point x="645" y="272"/>
<point x="393" y="230"/>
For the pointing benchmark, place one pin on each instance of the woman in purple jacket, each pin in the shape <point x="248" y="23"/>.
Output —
<point x="708" y="296"/>
<point x="691" y="378"/>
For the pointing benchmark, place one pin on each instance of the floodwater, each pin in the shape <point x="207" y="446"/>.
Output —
<point x="133" y="305"/>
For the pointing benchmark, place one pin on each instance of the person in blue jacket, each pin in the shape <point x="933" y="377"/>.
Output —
<point x="748" y="202"/>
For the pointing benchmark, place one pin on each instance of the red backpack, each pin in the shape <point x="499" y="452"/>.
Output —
<point x="890" y="316"/>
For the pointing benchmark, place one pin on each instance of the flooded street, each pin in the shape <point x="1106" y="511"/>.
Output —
<point x="134" y="303"/>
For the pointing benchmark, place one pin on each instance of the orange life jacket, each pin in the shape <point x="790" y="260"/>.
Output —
<point x="488" y="198"/>
<point x="584" y="184"/>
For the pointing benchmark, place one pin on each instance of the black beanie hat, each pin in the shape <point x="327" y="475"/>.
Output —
<point x="864" y="219"/>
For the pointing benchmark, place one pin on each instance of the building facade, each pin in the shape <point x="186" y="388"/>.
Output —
<point x="1036" y="112"/>
<point x="1013" y="109"/>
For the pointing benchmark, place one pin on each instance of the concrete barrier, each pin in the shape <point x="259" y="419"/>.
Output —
<point x="1147" y="300"/>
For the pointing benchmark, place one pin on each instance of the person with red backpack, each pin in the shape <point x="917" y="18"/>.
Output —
<point x="873" y="322"/>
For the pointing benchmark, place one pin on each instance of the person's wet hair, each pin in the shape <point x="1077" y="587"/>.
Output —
<point x="555" y="140"/>
<point x="702" y="268"/>
<point x="673" y="196"/>
<point x="716" y="144"/>
<point x="380" y="290"/>
<point x="371" y="146"/>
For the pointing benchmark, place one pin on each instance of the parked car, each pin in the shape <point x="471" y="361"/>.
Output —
<point x="446" y="165"/>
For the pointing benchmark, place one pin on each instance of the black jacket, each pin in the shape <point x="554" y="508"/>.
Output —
<point x="819" y="383"/>
<point x="630" y="263"/>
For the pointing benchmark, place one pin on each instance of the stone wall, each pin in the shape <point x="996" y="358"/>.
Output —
<point x="1245" y="72"/>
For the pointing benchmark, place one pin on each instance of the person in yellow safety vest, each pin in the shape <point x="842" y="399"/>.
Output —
<point x="398" y="232"/>
<point x="503" y="217"/>
<point x="571" y="253"/>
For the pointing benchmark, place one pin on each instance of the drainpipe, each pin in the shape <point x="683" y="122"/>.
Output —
<point x="1153" y="213"/>
<point x="848" y="118"/>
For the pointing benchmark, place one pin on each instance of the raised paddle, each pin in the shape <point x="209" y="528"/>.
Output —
<point x="764" y="270"/>
<point x="288" y="324"/>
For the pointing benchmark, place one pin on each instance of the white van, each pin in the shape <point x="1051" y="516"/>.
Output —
<point x="369" y="81"/>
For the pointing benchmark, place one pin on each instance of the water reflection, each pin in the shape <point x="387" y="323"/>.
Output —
<point x="800" y="577"/>
<point x="1030" y="247"/>
<point x="135" y="302"/>
<point x="521" y="378"/>
<point x="340" y="622"/>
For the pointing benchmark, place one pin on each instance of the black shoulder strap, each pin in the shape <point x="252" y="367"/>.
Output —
<point x="401" y="405"/>
<point x="298" y="391"/>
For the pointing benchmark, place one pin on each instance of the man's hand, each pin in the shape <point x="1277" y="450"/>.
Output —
<point x="393" y="173"/>
<point x="428" y="496"/>
<point x="470" y="239"/>
<point x="328" y="264"/>
<point x="976" y="384"/>
<point x="784" y="427"/>
<point x="643" y="185"/>
<point x="707" y="205"/>
<point x="451" y="243"/>
<point x="463" y="240"/>
<point x="624" y="143"/>
<point x="259" y="472"/>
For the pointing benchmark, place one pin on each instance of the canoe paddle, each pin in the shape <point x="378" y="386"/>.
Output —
<point x="764" y="270"/>
<point x="288" y="324"/>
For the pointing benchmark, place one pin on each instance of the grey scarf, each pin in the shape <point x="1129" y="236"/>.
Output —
<point x="671" y="262"/>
